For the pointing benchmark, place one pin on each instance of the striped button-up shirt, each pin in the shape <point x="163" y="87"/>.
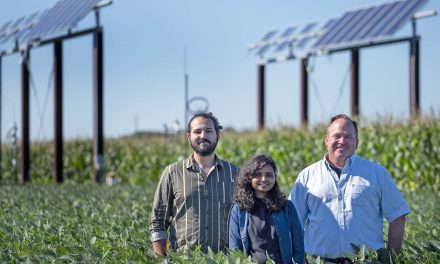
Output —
<point x="194" y="207"/>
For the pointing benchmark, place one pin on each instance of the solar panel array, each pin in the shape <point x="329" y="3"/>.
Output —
<point x="63" y="16"/>
<point x="368" y="24"/>
<point x="357" y="26"/>
<point x="285" y="40"/>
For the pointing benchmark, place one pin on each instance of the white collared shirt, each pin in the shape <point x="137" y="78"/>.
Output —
<point x="336" y="212"/>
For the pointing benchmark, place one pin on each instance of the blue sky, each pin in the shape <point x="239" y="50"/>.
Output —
<point x="144" y="67"/>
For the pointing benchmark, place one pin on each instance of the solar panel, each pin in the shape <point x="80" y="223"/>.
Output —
<point x="360" y="20"/>
<point x="269" y="35"/>
<point x="30" y="22"/>
<point x="406" y="13"/>
<point x="330" y="23"/>
<point x="354" y="27"/>
<point x="4" y="28"/>
<point x="308" y="28"/>
<point x="378" y="16"/>
<point x="19" y="27"/>
<point x="305" y="39"/>
<point x="369" y="23"/>
<point x="15" y="26"/>
<point x="263" y="49"/>
<point x="264" y="44"/>
<point x="284" y="43"/>
<point x="302" y="37"/>
<point x="11" y="30"/>
<point x="302" y="43"/>
<point x="341" y="26"/>
<point x="63" y="16"/>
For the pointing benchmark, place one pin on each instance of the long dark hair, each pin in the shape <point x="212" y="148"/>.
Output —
<point x="244" y="192"/>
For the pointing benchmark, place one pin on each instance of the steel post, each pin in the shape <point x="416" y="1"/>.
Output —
<point x="354" y="70"/>
<point x="304" y="93"/>
<point x="25" y="84"/>
<point x="261" y="96"/>
<point x="414" y="77"/>
<point x="58" y="113"/>
<point x="98" y="115"/>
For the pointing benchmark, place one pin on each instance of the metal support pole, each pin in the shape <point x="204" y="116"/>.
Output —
<point x="98" y="22"/>
<point x="414" y="77"/>
<point x="25" y="153"/>
<point x="354" y="69"/>
<point x="58" y="113"/>
<point x="98" y="116"/>
<point x="260" y="96"/>
<point x="186" y="102"/>
<point x="186" y="92"/>
<point x="1" y="118"/>
<point x="304" y="93"/>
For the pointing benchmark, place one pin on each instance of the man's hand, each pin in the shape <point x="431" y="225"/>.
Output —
<point x="159" y="247"/>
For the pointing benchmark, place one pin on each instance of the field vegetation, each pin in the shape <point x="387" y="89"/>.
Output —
<point x="79" y="221"/>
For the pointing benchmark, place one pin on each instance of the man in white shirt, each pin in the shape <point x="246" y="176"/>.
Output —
<point x="343" y="199"/>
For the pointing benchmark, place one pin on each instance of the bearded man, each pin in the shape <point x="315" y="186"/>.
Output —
<point x="194" y="195"/>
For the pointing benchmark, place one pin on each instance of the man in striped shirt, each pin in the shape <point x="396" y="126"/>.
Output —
<point x="194" y="195"/>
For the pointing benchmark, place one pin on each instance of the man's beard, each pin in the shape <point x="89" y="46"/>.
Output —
<point x="204" y="151"/>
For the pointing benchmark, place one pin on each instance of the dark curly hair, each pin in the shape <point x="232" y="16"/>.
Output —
<point x="244" y="194"/>
<point x="209" y="115"/>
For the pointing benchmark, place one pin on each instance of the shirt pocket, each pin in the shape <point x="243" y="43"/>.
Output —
<point x="360" y="194"/>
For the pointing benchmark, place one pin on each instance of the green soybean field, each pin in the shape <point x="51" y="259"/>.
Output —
<point x="82" y="222"/>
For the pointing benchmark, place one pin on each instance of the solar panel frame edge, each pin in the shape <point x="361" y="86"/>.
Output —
<point x="346" y="45"/>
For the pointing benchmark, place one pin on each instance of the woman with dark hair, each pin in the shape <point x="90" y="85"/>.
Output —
<point x="263" y="222"/>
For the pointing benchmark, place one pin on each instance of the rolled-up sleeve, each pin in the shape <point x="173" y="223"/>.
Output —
<point x="393" y="203"/>
<point x="162" y="207"/>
